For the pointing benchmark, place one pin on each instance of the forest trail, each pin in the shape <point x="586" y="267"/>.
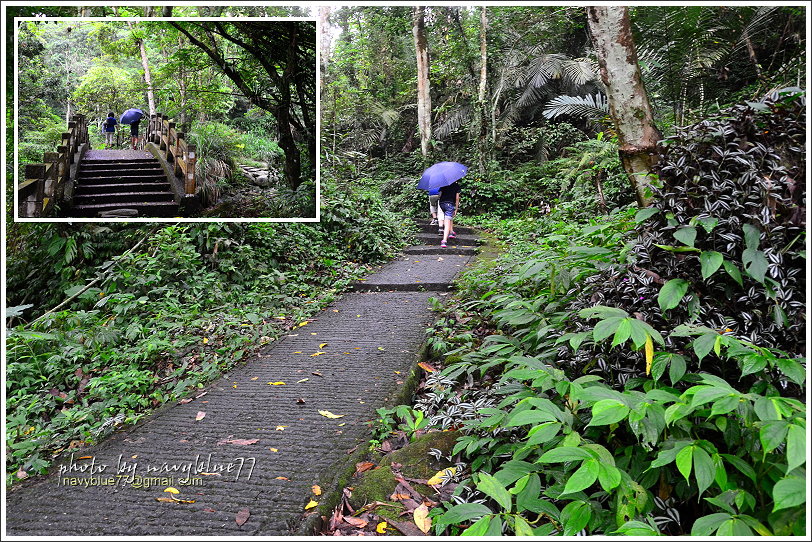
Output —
<point x="122" y="183"/>
<point x="248" y="450"/>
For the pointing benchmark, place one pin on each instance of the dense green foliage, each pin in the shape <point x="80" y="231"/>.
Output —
<point x="189" y="303"/>
<point x="603" y="391"/>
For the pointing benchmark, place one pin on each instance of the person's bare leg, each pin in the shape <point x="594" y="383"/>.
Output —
<point x="448" y="227"/>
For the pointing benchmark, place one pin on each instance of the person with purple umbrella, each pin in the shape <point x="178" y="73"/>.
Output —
<point x="133" y="117"/>
<point x="444" y="175"/>
<point x="449" y="203"/>
<point x="434" y="198"/>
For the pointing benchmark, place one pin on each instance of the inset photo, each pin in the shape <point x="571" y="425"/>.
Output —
<point x="165" y="118"/>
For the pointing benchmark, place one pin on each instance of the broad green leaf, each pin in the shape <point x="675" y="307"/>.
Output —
<point x="766" y="409"/>
<point x="752" y="236"/>
<point x="644" y="214"/>
<point x="733" y="271"/>
<point x="725" y="405"/>
<point x="491" y="487"/>
<point x="604" y="328"/>
<point x="676" y="412"/>
<point x="706" y="394"/>
<point x="708" y="223"/>
<point x="575" y="516"/>
<point x="706" y="525"/>
<point x="609" y="477"/>
<point x="532" y="416"/>
<point x="462" y="512"/>
<point x="521" y="527"/>
<point x="789" y="492"/>
<point x="711" y="261"/>
<point x="704" y="344"/>
<point x="564" y="454"/>
<point x="636" y="528"/>
<point x="677" y="368"/>
<point x="684" y="461"/>
<point x="513" y="470"/>
<point x="479" y="528"/>
<point x="608" y="411"/>
<point x="686" y="235"/>
<point x="792" y="370"/>
<point x="601" y="311"/>
<point x="772" y="434"/>
<point x="543" y="433"/>
<point x="755" y="264"/>
<point x="623" y="332"/>
<point x="734" y="527"/>
<point x="584" y="477"/>
<point x="704" y="469"/>
<point x="741" y="465"/>
<point x="671" y="293"/>
<point x="796" y="447"/>
<point x="528" y="497"/>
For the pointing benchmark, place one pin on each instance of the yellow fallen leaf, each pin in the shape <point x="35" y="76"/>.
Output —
<point x="316" y="490"/>
<point x="255" y="378"/>
<point x="171" y="490"/>
<point x="421" y="518"/>
<point x="381" y="528"/>
<point x="313" y="333"/>
<point x="302" y="380"/>
<point x="298" y="352"/>
<point x="281" y="478"/>
<point x="276" y="383"/>
<point x="281" y="427"/>
<point x="649" y="354"/>
<point x="274" y="449"/>
<point x="303" y="323"/>
<point x="234" y="386"/>
<point x="317" y="354"/>
<point x="442" y="474"/>
<point x="200" y="415"/>
<point x="205" y="340"/>
<point x="279" y="317"/>
<point x="397" y="372"/>
<point x="335" y="310"/>
<point x="322" y="345"/>
<point x="311" y="504"/>
<point x="328" y="414"/>
<point x="342" y="424"/>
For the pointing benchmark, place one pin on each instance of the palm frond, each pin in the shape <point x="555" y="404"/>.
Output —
<point x="586" y="107"/>
<point x="453" y="122"/>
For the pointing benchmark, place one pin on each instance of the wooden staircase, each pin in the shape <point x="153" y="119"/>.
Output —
<point x="122" y="187"/>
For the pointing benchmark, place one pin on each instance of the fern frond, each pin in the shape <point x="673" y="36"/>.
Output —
<point x="586" y="107"/>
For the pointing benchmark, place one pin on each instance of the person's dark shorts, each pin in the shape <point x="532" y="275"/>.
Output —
<point x="448" y="208"/>
<point x="134" y="129"/>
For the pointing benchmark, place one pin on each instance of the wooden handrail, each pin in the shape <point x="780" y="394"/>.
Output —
<point x="44" y="183"/>
<point x="173" y="146"/>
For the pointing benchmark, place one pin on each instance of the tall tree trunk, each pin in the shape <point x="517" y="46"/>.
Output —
<point x="423" y="97"/>
<point x="483" y="87"/>
<point x="145" y="65"/>
<point x="629" y="106"/>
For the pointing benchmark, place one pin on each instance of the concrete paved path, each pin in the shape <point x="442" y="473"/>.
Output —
<point x="261" y="444"/>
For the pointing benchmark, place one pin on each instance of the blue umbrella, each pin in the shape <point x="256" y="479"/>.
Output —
<point x="441" y="174"/>
<point x="132" y="115"/>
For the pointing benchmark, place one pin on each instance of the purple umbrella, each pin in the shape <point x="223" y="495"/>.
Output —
<point x="441" y="174"/>
<point x="132" y="115"/>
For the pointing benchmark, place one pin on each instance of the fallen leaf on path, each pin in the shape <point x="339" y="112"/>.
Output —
<point x="342" y="424"/>
<point x="300" y="401"/>
<point x="317" y="354"/>
<point x="303" y="323"/>
<point x="239" y="441"/>
<point x="281" y="427"/>
<point x="322" y="345"/>
<point x="176" y="501"/>
<point x="421" y="518"/>
<point x="200" y="416"/>
<point x="21" y="474"/>
<point x="255" y="378"/>
<point x="364" y="466"/>
<point x="205" y="340"/>
<point x="328" y="414"/>
<point x="210" y="510"/>
<point x="317" y="374"/>
<point x="426" y="367"/>
<point x="209" y="473"/>
<point x="381" y="528"/>
<point x="441" y="476"/>
<point x="316" y="490"/>
<point x="311" y="504"/>
<point x="276" y="383"/>
<point x="274" y="449"/>
<point x="281" y="478"/>
<point x="242" y="516"/>
<point x="356" y="522"/>
<point x="380" y="348"/>
<point x="184" y="401"/>
<point x="406" y="528"/>
<point x="171" y="490"/>
<point x="302" y="380"/>
<point x="399" y="496"/>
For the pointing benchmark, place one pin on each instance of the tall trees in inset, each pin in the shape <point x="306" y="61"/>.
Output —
<point x="629" y="106"/>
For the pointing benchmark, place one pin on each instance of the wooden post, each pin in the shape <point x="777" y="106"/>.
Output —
<point x="33" y="203"/>
<point x="68" y="159"/>
<point x="161" y="128"/>
<point x="53" y="167"/>
<point x="190" y="158"/>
